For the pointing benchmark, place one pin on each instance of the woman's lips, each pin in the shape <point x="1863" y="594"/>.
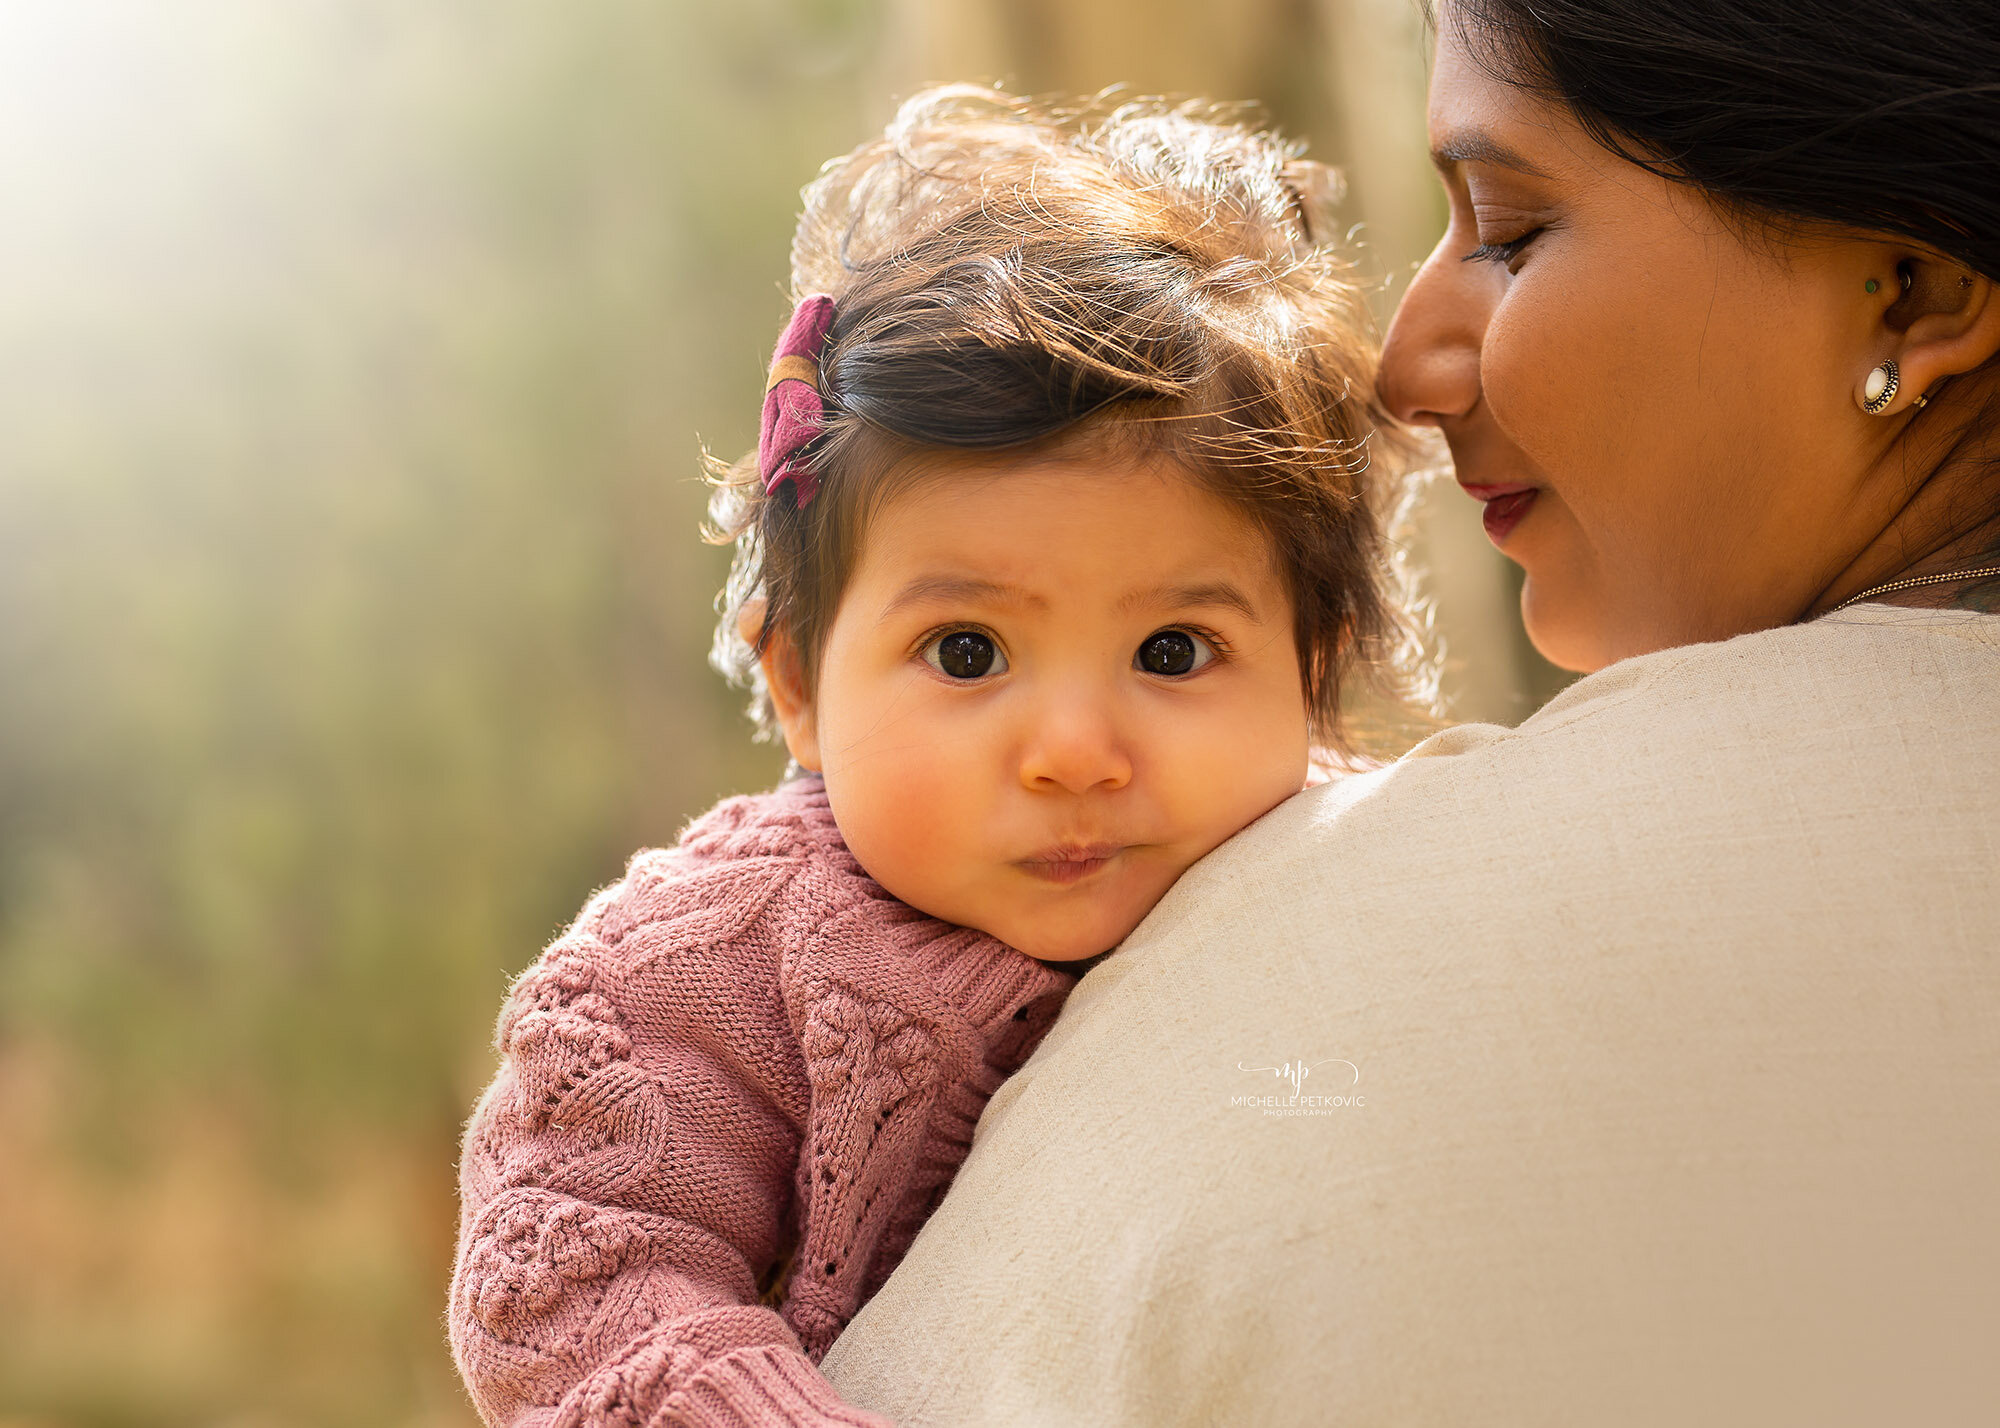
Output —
<point x="1505" y="506"/>
<point x="1070" y="863"/>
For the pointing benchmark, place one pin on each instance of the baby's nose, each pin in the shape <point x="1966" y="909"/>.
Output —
<point x="1075" y="745"/>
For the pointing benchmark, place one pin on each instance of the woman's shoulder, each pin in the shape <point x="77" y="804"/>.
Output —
<point x="1719" y="782"/>
<point x="1868" y="666"/>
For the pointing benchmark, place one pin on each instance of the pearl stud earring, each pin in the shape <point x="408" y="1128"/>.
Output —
<point x="1880" y="388"/>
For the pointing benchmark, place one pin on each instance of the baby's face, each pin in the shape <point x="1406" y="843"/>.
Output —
<point x="1049" y="689"/>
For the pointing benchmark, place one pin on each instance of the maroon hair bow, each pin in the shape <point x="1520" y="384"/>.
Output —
<point x="793" y="412"/>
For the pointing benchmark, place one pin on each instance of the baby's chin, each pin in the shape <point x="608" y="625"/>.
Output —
<point x="1064" y="940"/>
<point x="1071" y="925"/>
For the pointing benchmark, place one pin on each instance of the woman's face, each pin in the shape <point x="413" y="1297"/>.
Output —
<point x="1656" y="405"/>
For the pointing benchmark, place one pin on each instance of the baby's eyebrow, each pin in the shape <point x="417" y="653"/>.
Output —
<point x="927" y="588"/>
<point x="1182" y="597"/>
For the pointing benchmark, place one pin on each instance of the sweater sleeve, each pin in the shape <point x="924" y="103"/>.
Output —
<point x="626" y="1181"/>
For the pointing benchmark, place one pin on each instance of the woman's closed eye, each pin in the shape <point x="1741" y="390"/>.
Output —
<point x="1174" y="652"/>
<point x="1506" y="254"/>
<point x="964" y="654"/>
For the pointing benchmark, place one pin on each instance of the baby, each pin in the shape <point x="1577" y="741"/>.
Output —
<point x="1059" y="545"/>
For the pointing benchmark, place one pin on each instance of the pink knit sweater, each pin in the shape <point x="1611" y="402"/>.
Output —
<point x="732" y="1091"/>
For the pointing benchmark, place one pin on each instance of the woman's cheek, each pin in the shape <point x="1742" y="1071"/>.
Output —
<point x="1540" y="365"/>
<point x="1588" y="372"/>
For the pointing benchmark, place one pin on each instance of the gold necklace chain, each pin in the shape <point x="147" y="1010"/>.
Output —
<point x="1915" y="581"/>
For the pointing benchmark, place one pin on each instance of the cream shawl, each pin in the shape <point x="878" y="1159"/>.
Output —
<point x="1640" y="1065"/>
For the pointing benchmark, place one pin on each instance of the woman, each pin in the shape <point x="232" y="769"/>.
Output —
<point x="1731" y="398"/>
<point x="1642" y="1064"/>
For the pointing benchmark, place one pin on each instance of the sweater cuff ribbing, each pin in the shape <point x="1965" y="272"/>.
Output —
<point x="762" y="1387"/>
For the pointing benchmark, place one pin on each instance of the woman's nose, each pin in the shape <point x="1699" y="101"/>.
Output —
<point x="1074" y="746"/>
<point x="1430" y="359"/>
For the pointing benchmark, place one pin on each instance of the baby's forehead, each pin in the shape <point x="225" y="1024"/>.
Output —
<point x="1063" y="530"/>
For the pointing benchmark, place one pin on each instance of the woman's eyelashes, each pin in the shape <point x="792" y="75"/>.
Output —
<point x="964" y="653"/>
<point x="1507" y="254"/>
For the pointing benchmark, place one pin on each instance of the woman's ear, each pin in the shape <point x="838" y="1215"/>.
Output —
<point x="784" y="678"/>
<point x="1948" y="321"/>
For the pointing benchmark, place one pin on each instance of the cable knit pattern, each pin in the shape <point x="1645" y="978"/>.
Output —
<point x="732" y="1092"/>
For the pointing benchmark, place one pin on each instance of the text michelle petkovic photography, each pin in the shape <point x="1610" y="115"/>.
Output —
<point x="1333" y="1091"/>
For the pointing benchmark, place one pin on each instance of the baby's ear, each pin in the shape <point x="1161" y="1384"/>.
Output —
<point x="791" y="702"/>
<point x="750" y="619"/>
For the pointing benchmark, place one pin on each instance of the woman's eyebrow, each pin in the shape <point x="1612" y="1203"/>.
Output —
<point x="1473" y="147"/>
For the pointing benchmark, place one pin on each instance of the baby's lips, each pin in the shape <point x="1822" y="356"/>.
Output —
<point x="1076" y="853"/>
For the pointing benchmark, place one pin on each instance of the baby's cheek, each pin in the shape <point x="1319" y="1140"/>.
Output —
<point x="900" y="819"/>
<point x="1242" y="765"/>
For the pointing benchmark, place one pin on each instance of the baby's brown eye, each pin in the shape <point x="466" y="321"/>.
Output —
<point x="1173" y="652"/>
<point x="964" y="654"/>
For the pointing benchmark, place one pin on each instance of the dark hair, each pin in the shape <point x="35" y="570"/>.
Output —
<point x="1881" y="119"/>
<point x="1012" y="275"/>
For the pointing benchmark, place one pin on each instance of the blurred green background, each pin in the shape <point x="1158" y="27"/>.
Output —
<point x="355" y="359"/>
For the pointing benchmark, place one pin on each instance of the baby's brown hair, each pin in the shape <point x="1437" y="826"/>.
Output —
<point x="1150" y="279"/>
